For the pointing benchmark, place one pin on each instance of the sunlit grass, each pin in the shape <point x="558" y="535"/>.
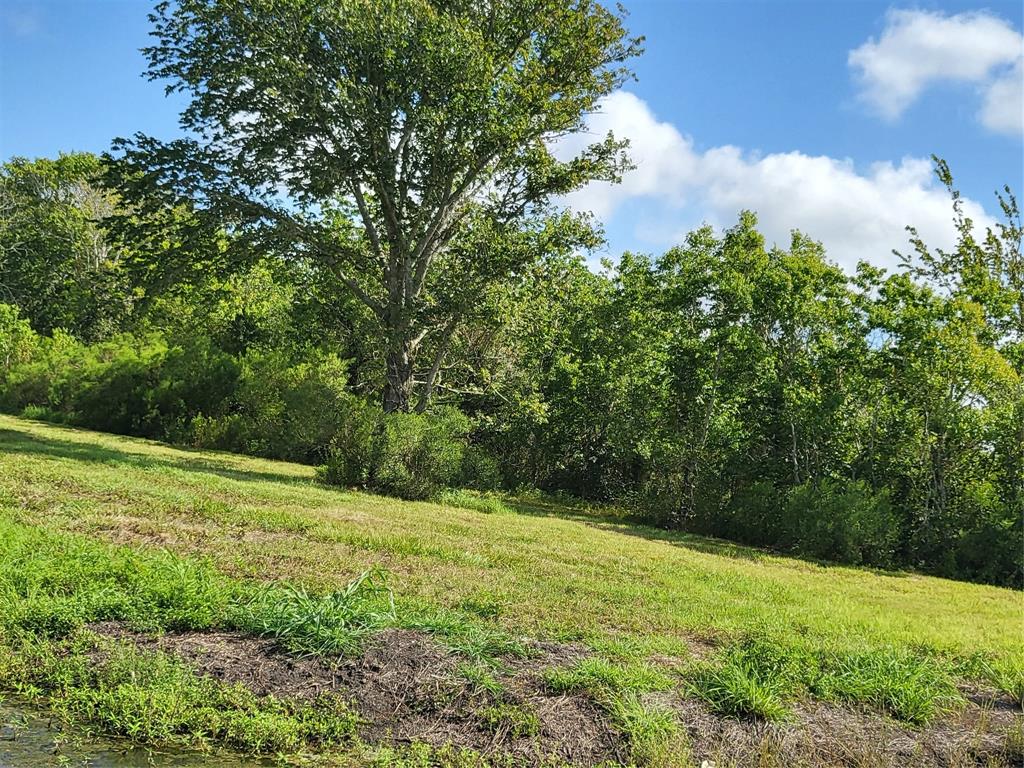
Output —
<point x="591" y="578"/>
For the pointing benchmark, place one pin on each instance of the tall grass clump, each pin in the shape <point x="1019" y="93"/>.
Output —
<point x="310" y="624"/>
<point x="759" y="677"/>
<point x="912" y="687"/>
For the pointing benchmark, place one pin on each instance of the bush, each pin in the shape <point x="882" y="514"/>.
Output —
<point x="18" y="342"/>
<point x="409" y="455"/>
<point x="278" y="409"/>
<point x="755" y="515"/>
<point x="845" y="521"/>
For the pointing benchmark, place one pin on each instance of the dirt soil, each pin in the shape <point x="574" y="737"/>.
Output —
<point x="407" y="687"/>
<point x="989" y="732"/>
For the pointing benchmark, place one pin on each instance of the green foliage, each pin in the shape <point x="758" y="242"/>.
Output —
<point x="846" y="522"/>
<point x="758" y="677"/>
<point x="911" y="687"/>
<point x="409" y="455"/>
<point x="475" y="95"/>
<point x="423" y="755"/>
<point x="280" y="409"/>
<point x="510" y="720"/>
<point x="739" y="688"/>
<point x="600" y="675"/>
<point x="128" y="384"/>
<point x="489" y="504"/>
<point x="321" y="625"/>
<point x="150" y="698"/>
<point x="653" y="734"/>
<point x="55" y="262"/>
<point x="725" y="388"/>
<point x="18" y="342"/>
<point x="479" y="642"/>
<point x="1008" y="676"/>
<point x="481" y="680"/>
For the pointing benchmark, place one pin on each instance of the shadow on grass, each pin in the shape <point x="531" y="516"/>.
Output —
<point x="618" y="522"/>
<point x="627" y="525"/>
<point x="15" y="441"/>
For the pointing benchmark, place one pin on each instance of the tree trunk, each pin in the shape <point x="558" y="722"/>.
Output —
<point x="399" y="384"/>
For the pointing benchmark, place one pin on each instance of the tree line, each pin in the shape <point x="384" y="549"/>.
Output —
<point x="725" y="387"/>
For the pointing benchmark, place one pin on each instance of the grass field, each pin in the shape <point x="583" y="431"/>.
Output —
<point x="90" y="520"/>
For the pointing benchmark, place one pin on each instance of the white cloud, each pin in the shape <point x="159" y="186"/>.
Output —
<point x="857" y="215"/>
<point x="1003" y="108"/>
<point x="919" y="49"/>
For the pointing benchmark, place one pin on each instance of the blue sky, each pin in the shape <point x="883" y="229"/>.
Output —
<point x="818" y="115"/>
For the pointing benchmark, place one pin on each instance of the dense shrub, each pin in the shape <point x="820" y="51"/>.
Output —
<point x="18" y="342"/>
<point x="844" y="521"/>
<point x="279" y="409"/>
<point x="128" y="385"/>
<point x="409" y="455"/>
<point x="260" y="402"/>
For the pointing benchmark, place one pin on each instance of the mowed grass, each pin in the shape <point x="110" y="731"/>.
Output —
<point x="541" y="570"/>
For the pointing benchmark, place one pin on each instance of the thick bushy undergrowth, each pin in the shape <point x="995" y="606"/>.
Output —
<point x="263" y="403"/>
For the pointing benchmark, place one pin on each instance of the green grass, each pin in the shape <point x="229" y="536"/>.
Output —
<point x="652" y="733"/>
<point x="597" y="674"/>
<point x="150" y="698"/>
<point x="213" y="540"/>
<point x="759" y="677"/>
<point x="513" y="719"/>
<point x="330" y="624"/>
<point x="580" y="576"/>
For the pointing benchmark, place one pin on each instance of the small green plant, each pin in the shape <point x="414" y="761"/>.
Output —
<point x="736" y="688"/>
<point x="510" y="720"/>
<point x="422" y="755"/>
<point x="1007" y="676"/>
<point x="484" y="605"/>
<point x="309" y="624"/>
<point x="912" y="687"/>
<point x="597" y="675"/>
<point x="653" y="733"/>
<point x="472" y="639"/>
<point x="481" y="680"/>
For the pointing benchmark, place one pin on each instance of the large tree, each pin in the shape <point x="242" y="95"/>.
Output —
<point x="414" y="149"/>
<point x="55" y="262"/>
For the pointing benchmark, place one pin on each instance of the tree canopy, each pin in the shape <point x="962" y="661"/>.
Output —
<point x="404" y="146"/>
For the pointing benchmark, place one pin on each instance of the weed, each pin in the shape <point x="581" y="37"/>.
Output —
<point x="308" y="624"/>
<point x="421" y="755"/>
<point x="510" y="720"/>
<point x="148" y="697"/>
<point x="653" y="734"/>
<point x="466" y="637"/>
<point x="480" y="680"/>
<point x="597" y="675"/>
<point x="483" y="605"/>
<point x="910" y="686"/>
<point x="1008" y="676"/>
<point x="736" y="688"/>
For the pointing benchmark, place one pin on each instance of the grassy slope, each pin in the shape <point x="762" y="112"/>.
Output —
<point x="550" y="571"/>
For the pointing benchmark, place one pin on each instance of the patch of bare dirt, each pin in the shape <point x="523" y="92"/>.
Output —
<point x="821" y="734"/>
<point x="407" y="687"/>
